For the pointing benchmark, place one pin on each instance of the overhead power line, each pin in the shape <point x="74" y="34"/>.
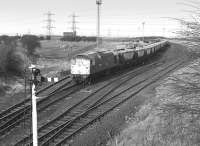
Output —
<point x="49" y="21"/>
<point x="73" y="22"/>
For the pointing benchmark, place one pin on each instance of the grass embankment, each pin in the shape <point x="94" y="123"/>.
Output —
<point x="171" y="117"/>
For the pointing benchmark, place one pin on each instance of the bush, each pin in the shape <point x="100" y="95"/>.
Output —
<point x="30" y="43"/>
<point x="7" y="40"/>
<point x="11" y="60"/>
<point x="15" y="62"/>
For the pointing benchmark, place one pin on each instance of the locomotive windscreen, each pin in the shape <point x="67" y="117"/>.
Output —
<point x="80" y="66"/>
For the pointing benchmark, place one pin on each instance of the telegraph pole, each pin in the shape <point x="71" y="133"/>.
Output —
<point x="98" y="2"/>
<point x="49" y="23"/>
<point x="143" y="23"/>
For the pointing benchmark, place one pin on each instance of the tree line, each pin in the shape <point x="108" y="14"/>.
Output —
<point x="15" y="53"/>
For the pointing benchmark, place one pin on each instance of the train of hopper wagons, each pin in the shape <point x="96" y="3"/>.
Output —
<point x="87" y="66"/>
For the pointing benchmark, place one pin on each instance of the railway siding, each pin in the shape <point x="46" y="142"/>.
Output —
<point x="86" y="101"/>
<point x="104" y="107"/>
<point x="20" y="112"/>
<point x="101" y="103"/>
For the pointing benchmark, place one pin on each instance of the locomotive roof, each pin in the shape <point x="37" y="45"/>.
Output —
<point x="94" y="54"/>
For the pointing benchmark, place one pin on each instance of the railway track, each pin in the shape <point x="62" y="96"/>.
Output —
<point x="54" y="87"/>
<point x="19" y="107"/>
<point x="87" y="103"/>
<point x="12" y="111"/>
<point x="17" y="113"/>
<point x="81" y="121"/>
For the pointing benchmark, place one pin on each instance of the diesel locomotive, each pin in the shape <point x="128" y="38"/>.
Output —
<point x="86" y="66"/>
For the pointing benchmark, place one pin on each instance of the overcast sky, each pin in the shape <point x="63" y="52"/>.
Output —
<point x="118" y="17"/>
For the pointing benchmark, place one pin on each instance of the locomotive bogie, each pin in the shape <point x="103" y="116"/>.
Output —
<point x="80" y="78"/>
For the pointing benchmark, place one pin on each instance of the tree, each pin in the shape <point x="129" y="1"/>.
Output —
<point x="8" y="40"/>
<point x="11" y="59"/>
<point x="30" y="43"/>
<point x="190" y="28"/>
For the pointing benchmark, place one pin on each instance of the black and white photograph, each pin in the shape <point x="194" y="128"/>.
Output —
<point x="100" y="73"/>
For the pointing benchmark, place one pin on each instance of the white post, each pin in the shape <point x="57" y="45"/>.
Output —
<point x="98" y="2"/>
<point x="98" y="24"/>
<point x="34" y="109"/>
<point x="34" y="116"/>
<point x="143" y="23"/>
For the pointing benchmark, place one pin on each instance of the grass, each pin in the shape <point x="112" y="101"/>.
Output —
<point x="56" y="49"/>
<point x="54" y="55"/>
<point x="171" y="118"/>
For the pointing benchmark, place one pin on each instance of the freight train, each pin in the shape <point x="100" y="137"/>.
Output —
<point x="87" y="66"/>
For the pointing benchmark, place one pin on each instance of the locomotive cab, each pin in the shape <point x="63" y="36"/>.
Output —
<point x="80" y="68"/>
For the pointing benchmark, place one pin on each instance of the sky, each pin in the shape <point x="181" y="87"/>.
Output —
<point x="118" y="17"/>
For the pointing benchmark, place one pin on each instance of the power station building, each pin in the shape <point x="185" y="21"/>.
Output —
<point x="69" y="34"/>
